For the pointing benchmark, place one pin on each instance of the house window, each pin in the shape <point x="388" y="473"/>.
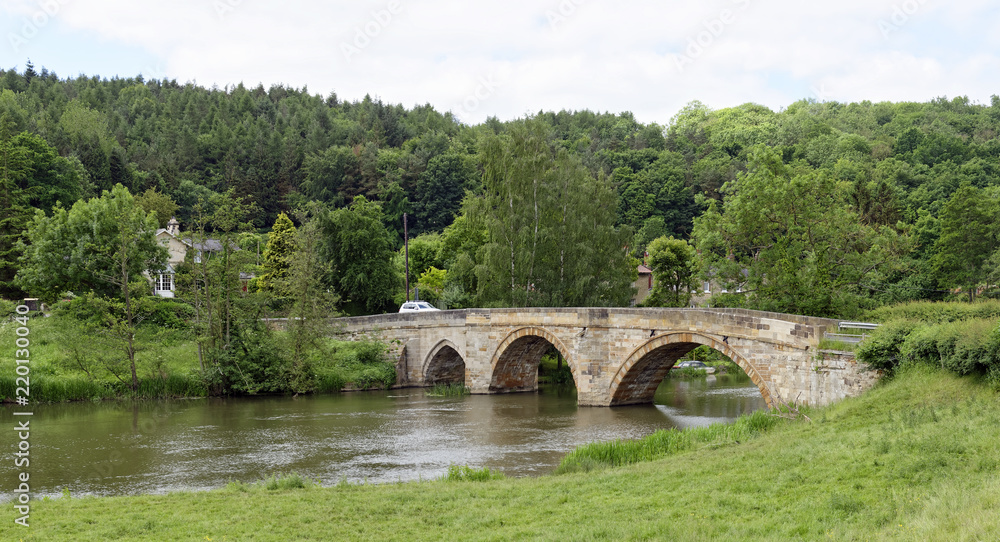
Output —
<point x="707" y="287"/>
<point x="165" y="282"/>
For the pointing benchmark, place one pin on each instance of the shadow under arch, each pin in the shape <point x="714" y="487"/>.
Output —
<point x="514" y="367"/>
<point x="646" y="366"/>
<point x="444" y="365"/>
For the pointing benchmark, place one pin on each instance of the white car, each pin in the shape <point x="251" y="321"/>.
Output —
<point x="417" y="306"/>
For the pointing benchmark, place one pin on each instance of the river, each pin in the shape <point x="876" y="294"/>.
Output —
<point x="116" y="448"/>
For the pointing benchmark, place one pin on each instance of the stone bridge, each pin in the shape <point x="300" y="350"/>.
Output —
<point x="618" y="356"/>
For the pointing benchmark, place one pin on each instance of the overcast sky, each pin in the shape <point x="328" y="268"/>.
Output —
<point x="516" y="57"/>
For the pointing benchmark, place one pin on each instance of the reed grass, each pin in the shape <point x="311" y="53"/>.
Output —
<point x="450" y="389"/>
<point x="465" y="473"/>
<point x="666" y="442"/>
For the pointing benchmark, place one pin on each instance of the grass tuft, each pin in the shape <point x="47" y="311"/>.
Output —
<point x="664" y="443"/>
<point x="451" y="389"/>
<point x="465" y="473"/>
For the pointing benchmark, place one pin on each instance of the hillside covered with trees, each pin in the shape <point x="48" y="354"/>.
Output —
<point x="822" y="208"/>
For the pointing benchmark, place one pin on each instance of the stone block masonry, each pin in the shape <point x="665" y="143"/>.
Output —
<point x="617" y="356"/>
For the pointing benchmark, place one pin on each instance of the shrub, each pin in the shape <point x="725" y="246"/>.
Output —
<point x="7" y="308"/>
<point x="930" y="312"/>
<point x="881" y="349"/>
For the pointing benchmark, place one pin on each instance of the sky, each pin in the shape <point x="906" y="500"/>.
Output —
<point x="515" y="58"/>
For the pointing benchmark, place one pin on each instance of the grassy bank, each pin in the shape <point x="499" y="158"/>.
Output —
<point x="914" y="459"/>
<point x="69" y="365"/>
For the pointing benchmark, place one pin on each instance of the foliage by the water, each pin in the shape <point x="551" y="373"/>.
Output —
<point x="913" y="459"/>
<point x="68" y="364"/>
<point x="552" y="369"/>
<point x="451" y="389"/>
<point x="664" y="443"/>
<point x="465" y="473"/>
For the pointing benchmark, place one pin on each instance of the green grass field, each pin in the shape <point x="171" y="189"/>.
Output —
<point x="914" y="459"/>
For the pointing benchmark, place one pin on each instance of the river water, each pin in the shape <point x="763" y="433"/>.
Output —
<point x="115" y="448"/>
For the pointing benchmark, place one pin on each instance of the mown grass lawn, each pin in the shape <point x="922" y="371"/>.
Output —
<point x="915" y="459"/>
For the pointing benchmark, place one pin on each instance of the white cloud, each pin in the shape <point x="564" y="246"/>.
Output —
<point x="512" y="58"/>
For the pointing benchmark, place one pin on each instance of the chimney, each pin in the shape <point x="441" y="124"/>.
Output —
<point x="174" y="227"/>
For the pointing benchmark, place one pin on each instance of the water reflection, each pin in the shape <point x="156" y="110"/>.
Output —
<point x="401" y="435"/>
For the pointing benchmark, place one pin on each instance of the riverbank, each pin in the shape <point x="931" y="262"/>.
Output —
<point x="913" y="459"/>
<point x="68" y="365"/>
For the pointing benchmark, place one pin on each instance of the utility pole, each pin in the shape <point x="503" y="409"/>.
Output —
<point x="406" y="251"/>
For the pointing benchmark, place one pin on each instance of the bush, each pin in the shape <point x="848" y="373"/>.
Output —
<point x="881" y="349"/>
<point x="930" y="312"/>
<point x="7" y="308"/>
<point x="167" y="313"/>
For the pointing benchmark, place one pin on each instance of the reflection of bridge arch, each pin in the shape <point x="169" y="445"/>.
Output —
<point x="444" y="364"/>
<point x="515" y="363"/>
<point x="646" y="366"/>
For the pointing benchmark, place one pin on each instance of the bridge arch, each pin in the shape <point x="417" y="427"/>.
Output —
<point x="444" y="364"/>
<point x="646" y="366"/>
<point x="514" y="366"/>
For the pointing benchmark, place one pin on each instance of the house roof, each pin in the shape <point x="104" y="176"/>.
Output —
<point x="209" y="245"/>
<point x="643" y="270"/>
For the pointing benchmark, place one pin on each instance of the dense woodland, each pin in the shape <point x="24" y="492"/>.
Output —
<point x="821" y="208"/>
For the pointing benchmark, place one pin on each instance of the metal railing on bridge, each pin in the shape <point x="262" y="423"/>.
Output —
<point x="852" y="338"/>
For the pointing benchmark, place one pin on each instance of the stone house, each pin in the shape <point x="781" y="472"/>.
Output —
<point x="164" y="283"/>
<point x="643" y="285"/>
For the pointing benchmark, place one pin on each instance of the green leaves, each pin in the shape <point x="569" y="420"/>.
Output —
<point x="968" y="237"/>
<point x="674" y="267"/>
<point x="550" y="234"/>
<point x="788" y="238"/>
<point x="360" y="252"/>
<point x="99" y="244"/>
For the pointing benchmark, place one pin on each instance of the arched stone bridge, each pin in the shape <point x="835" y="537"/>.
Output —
<point x="618" y="356"/>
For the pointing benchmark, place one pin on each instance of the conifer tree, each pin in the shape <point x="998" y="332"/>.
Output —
<point x="14" y="166"/>
<point x="277" y="256"/>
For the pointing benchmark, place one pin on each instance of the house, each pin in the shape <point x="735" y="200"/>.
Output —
<point x="643" y="285"/>
<point x="164" y="283"/>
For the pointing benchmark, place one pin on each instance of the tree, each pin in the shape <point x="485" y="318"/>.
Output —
<point x="312" y="302"/>
<point x="790" y="241"/>
<point x="674" y="268"/>
<point x="550" y="235"/>
<point x="14" y="168"/>
<point x="278" y="256"/>
<point x="360" y="251"/>
<point x="968" y="237"/>
<point x="104" y="244"/>
<point x="425" y="252"/>
<point x="235" y="350"/>
<point x="440" y="190"/>
<point x="163" y="205"/>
